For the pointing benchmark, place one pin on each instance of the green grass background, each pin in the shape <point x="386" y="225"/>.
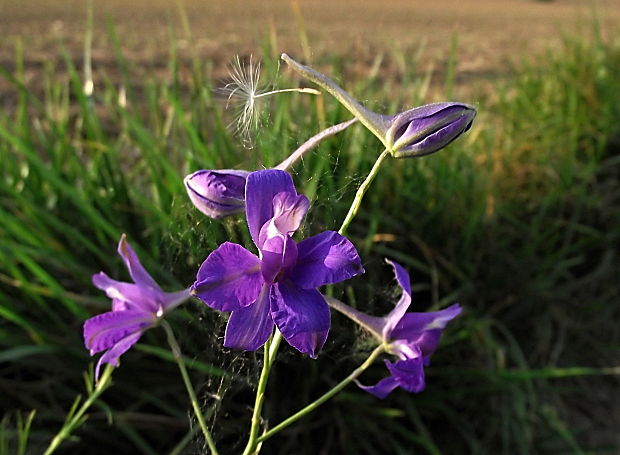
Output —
<point x="518" y="221"/>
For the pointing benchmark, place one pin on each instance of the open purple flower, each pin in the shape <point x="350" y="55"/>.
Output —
<point x="217" y="193"/>
<point x="412" y="337"/>
<point x="280" y="285"/>
<point x="136" y="307"/>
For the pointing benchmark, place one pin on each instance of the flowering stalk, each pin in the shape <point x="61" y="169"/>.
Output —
<point x="318" y="402"/>
<point x="176" y="353"/>
<point x="412" y="133"/>
<point x="74" y="420"/>
<point x="361" y="191"/>
<point x="270" y="352"/>
<point x="374" y="122"/>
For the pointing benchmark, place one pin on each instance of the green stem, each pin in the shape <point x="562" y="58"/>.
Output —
<point x="270" y="352"/>
<point x="361" y="191"/>
<point x="371" y="120"/>
<point x="315" y="404"/>
<point x="313" y="142"/>
<point x="176" y="352"/>
<point x="77" y="418"/>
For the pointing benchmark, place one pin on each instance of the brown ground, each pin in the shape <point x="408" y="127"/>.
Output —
<point x="490" y="32"/>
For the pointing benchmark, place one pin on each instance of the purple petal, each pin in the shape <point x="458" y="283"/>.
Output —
<point x="409" y="374"/>
<point x="382" y="388"/>
<point x="229" y="279"/>
<point x="424" y="329"/>
<point x="278" y="255"/>
<point x="325" y="258"/>
<point x="250" y="327"/>
<point x="133" y="296"/>
<point x="392" y="318"/>
<point x="116" y="351"/>
<point x="139" y="275"/>
<point x="302" y="315"/>
<point x="217" y="193"/>
<point x="103" y="331"/>
<point x="261" y="187"/>
<point x="171" y="300"/>
<point x="289" y="211"/>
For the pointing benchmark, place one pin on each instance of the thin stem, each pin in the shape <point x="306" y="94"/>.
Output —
<point x="371" y="120"/>
<point x="313" y="142"/>
<point x="361" y="191"/>
<point x="78" y="418"/>
<point x="269" y="355"/>
<point x="310" y="91"/>
<point x="370" y="323"/>
<point x="176" y="352"/>
<point x="315" y="404"/>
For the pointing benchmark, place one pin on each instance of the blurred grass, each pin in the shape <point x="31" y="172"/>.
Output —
<point x="519" y="221"/>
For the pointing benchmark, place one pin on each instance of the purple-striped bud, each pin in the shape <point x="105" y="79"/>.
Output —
<point x="427" y="129"/>
<point x="217" y="193"/>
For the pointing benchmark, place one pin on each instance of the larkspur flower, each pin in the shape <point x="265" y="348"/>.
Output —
<point x="136" y="307"/>
<point x="412" y="133"/>
<point x="280" y="286"/>
<point x="411" y="337"/>
<point x="217" y="193"/>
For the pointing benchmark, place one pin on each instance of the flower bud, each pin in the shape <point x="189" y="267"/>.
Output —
<point x="427" y="129"/>
<point x="416" y="132"/>
<point x="217" y="193"/>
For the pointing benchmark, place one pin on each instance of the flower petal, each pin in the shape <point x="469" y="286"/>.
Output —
<point x="392" y="318"/>
<point x="302" y="315"/>
<point x="103" y="331"/>
<point x="382" y="388"/>
<point x="229" y="279"/>
<point x="139" y="275"/>
<point x="424" y="329"/>
<point x="325" y="258"/>
<point x="171" y="300"/>
<point x="279" y="254"/>
<point x="116" y="351"/>
<point x="250" y="327"/>
<point x="133" y="296"/>
<point x="260" y="189"/>
<point x="409" y="374"/>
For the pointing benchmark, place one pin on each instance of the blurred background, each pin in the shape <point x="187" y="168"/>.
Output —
<point x="106" y="106"/>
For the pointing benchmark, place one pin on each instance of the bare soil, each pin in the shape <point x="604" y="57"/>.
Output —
<point x="491" y="33"/>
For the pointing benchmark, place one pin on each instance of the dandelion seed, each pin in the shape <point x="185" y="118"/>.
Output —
<point x="243" y="92"/>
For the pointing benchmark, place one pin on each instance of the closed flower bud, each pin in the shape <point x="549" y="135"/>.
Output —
<point x="217" y="193"/>
<point x="427" y="129"/>
<point x="416" y="132"/>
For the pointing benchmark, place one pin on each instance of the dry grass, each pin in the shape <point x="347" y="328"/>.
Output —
<point x="490" y="32"/>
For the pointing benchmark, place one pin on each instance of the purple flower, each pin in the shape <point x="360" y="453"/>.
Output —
<point x="427" y="129"/>
<point x="411" y="337"/>
<point x="217" y="193"/>
<point x="136" y="307"/>
<point x="280" y="285"/>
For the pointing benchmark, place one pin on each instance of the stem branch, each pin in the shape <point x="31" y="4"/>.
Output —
<point x="315" y="404"/>
<point x="313" y="142"/>
<point x="361" y="191"/>
<point x="270" y="352"/>
<point x="176" y="352"/>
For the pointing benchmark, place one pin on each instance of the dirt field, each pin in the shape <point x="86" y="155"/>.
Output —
<point x="490" y="32"/>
